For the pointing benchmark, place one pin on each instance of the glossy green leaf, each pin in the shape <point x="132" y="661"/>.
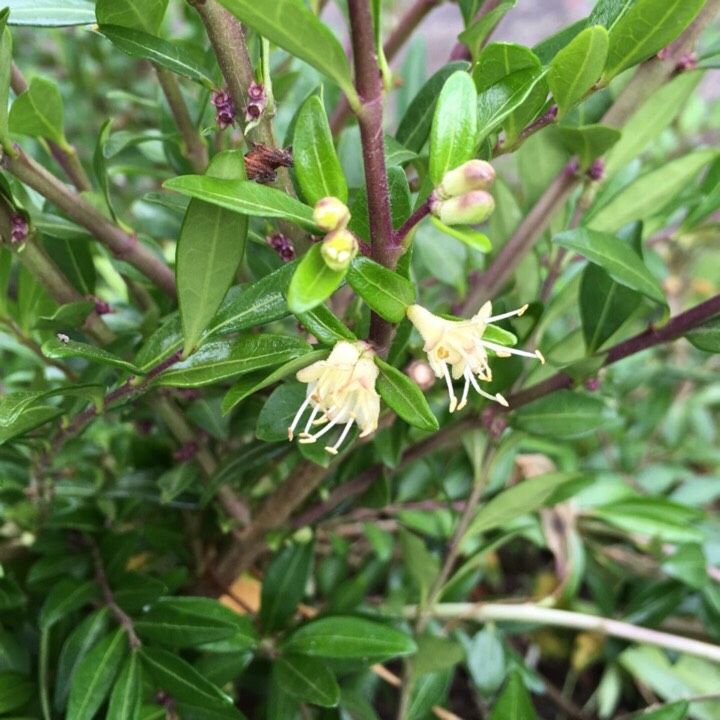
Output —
<point x="15" y="691"/>
<point x="616" y="257"/>
<point x="313" y="282"/>
<point x="65" y="597"/>
<point x="674" y="711"/>
<point x="181" y="622"/>
<point x="210" y="248"/>
<point x="403" y="396"/>
<point x="414" y="128"/>
<point x="95" y="674"/>
<point x="284" y="585"/>
<point x="706" y="337"/>
<point x="180" y="679"/>
<point x="466" y="235"/>
<point x="548" y="48"/>
<point x="50" y="13"/>
<point x="145" y="15"/>
<point x="519" y="500"/>
<point x="565" y="414"/>
<point x="688" y="564"/>
<point x="245" y="197"/>
<point x="56" y="349"/>
<point x="316" y="162"/>
<point x="254" y="382"/>
<point x="261" y="302"/>
<point x="386" y="292"/>
<point x="454" y="127"/>
<point x="475" y="35"/>
<point x="577" y="67"/>
<point x="428" y="691"/>
<point x="608" y="12"/>
<point x="648" y="27"/>
<point x="11" y="596"/>
<point x="66" y="316"/>
<point x="80" y="641"/>
<point x="244" y="639"/>
<point x="144" y="46"/>
<point x="307" y="679"/>
<point x="278" y="412"/>
<point x="289" y="24"/>
<point x="514" y="701"/>
<point x="126" y="697"/>
<point x="349" y="638"/>
<point x="588" y="142"/>
<point x="13" y="405"/>
<point x="421" y="565"/>
<point x="38" y="112"/>
<point x="325" y="325"/>
<point x="5" y="68"/>
<point x="219" y="360"/>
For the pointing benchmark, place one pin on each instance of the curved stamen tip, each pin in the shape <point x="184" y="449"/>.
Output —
<point x="540" y="356"/>
<point x="462" y="404"/>
<point x="501" y="400"/>
<point x="522" y="310"/>
<point x="290" y="434"/>
<point x="331" y="450"/>
<point x="453" y="404"/>
<point x="307" y="439"/>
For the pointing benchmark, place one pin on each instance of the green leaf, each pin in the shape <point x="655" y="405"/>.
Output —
<point x="486" y="660"/>
<point x="126" y="696"/>
<point x="577" y="67"/>
<point x="254" y="382"/>
<point x="608" y="12"/>
<point x="56" y="349"/>
<point x="307" y="679"/>
<point x="11" y="596"/>
<point x="290" y="25"/>
<point x="38" y="112"/>
<point x="284" y="586"/>
<point x="145" y="15"/>
<point x="646" y="29"/>
<point x="349" y="638"/>
<point x="564" y="415"/>
<point x="78" y="644"/>
<point x="32" y="418"/>
<point x="15" y="691"/>
<point x="466" y="235"/>
<point x="428" y="691"/>
<point x="706" y="337"/>
<point x="261" y="302"/>
<point x="454" y="126"/>
<point x="95" y="675"/>
<point x="651" y="192"/>
<point x="313" y="282"/>
<point x="316" y="162"/>
<point x="386" y="292"/>
<point x="221" y="359"/>
<point x="209" y="251"/>
<point x="144" y="46"/>
<point x="420" y="563"/>
<point x="403" y="396"/>
<point x="415" y="125"/>
<point x="519" y="500"/>
<point x="475" y="35"/>
<point x="688" y="564"/>
<point x="180" y="679"/>
<point x="65" y="597"/>
<point x="244" y="639"/>
<point x="514" y="701"/>
<point x="588" y="142"/>
<point x="616" y="257"/>
<point x="14" y="405"/>
<point x="245" y="197"/>
<point x="181" y="622"/>
<point x="5" y="72"/>
<point x="674" y="711"/>
<point x="50" y="13"/>
<point x="70" y="315"/>
<point x="325" y="325"/>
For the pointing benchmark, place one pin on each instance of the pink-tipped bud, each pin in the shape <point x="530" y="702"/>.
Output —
<point x="472" y="175"/>
<point x="471" y="208"/>
<point x="331" y="214"/>
<point x="338" y="249"/>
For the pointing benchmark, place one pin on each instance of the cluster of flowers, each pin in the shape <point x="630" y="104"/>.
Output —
<point x="225" y="115"/>
<point x="19" y="230"/>
<point x="341" y="390"/>
<point x="226" y="112"/>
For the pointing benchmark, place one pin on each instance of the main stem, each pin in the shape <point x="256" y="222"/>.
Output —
<point x="368" y="82"/>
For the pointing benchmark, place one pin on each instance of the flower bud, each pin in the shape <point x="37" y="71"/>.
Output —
<point x="331" y="214"/>
<point x="472" y="175"/>
<point x="339" y="248"/>
<point x="471" y="208"/>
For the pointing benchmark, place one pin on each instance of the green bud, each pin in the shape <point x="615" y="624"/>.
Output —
<point x="339" y="248"/>
<point x="331" y="214"/>
<point x="472" y="175"/>
<point x="471" y="208"/>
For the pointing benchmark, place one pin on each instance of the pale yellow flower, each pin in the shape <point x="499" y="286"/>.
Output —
<point x="456" y="349"/>
<point x="341" y="391"/>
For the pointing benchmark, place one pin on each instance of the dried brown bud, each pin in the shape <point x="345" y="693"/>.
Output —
<point x="262" y="161"/>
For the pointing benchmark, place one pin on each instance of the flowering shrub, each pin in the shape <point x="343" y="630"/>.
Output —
<point x="247" y="250"/>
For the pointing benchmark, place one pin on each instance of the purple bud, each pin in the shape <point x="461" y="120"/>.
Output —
<point x="19" y="230"/>
<point x="101" y="307"/>
<point x="687" y="62"/>
<point x="596" y="171"/>
<point x="225" y="115"/>
<point x="186" y="453"/>
<point x="253" y="111"/>
<point x="256" y="92"/>
<point x="593" y="384"/>
<point x="282" y="245"/>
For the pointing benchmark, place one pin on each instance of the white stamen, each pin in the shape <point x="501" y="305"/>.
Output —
<point x="334" y="449"/>
<point x="495" y="398"/>
<point x="337" y="419"/>
<point x="466" y="389"/>
<point x="512" y="313"/>
<point x="540" y="357"/>
<point x="310" y="421"/>
<point x="451" y="392"/>
<point x="503" y="351"/>
<point x="298" y="415"/>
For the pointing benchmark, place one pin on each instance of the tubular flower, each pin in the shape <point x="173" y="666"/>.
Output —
<point x="341" y="391"/>
<point x="456" y="349"/>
